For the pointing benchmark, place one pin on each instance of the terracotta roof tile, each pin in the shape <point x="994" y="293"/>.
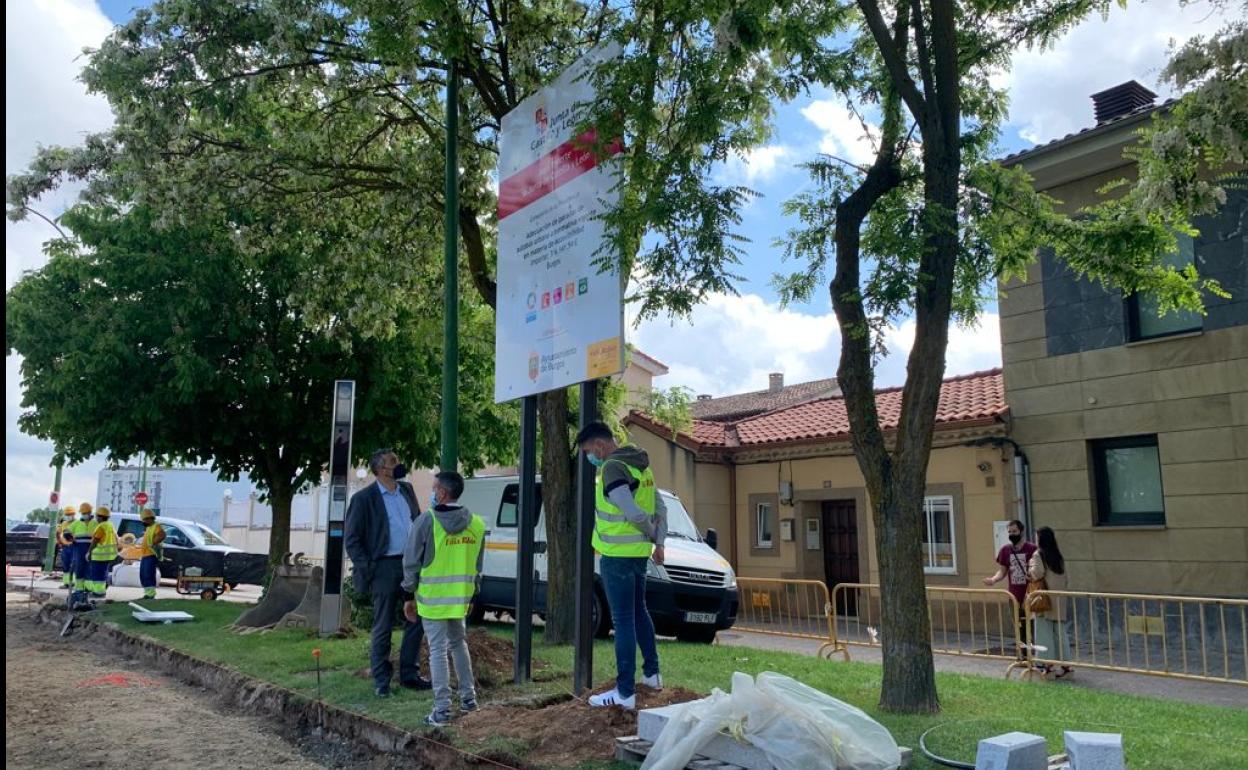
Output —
<point x="757" y="402"/>
<point x="967" y="397"/>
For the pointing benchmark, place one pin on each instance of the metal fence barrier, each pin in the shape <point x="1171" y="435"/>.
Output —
<point x="796" y="608"/>
<point x="976" y="622"/>
<point x="1174" y="636"/>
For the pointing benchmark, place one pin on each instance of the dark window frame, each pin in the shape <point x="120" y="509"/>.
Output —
<point x="1131" y="310"/>
<point x="1105" y="517"/>
<point x="511" y="497"/>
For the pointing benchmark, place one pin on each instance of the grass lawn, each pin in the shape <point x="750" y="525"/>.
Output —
<point x="1157" y="733"/>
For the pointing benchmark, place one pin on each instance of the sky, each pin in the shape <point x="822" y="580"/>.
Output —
<point x="730" y="343"/>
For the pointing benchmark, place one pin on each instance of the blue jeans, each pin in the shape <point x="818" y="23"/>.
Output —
<point x="624" y="580"/>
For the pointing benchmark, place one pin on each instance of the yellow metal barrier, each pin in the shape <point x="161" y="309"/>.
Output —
<point x="1173" y="636"/>
<point x="975" y="622"/>
<point x="796" y="608"/>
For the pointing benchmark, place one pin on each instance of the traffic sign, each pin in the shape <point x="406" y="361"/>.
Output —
<point x="54" y="498"/>
<point x="140" y="498"/>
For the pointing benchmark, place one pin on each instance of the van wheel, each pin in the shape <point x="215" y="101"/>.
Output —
<point x="601" y="617"/>
<point x="696" y="635"/>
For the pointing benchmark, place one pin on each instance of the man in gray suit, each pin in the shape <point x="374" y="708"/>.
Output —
<point x="379" y="519"/>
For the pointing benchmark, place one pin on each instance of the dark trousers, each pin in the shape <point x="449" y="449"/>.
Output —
<point x="624" y="581"/>
<point x="387" y="579"/>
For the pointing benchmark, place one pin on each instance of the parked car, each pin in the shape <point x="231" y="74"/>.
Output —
<point x="691" y="596"/>
<point x="26" y="544"/>
<point x="191" y="544"/>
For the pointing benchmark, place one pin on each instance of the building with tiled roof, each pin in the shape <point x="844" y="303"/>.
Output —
<point x="776" y="396"/>
<point x="785" y="490"/>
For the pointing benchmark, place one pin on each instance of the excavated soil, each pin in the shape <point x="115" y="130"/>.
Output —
<point x="567" y="733"/>
<point x="493" y="660"/>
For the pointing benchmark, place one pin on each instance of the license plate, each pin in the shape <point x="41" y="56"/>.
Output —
<point x="700" y="617"/>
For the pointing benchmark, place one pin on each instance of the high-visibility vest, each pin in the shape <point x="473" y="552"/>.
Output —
<point x="81" y="530"/>
<point x="149" y="539"/>
<point x="614" y="534"/>
<point x="448" y="583"/>
<point x="106" y="548"/>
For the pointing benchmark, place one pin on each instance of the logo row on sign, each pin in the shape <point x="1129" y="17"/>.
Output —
<point x="556" y="296"/>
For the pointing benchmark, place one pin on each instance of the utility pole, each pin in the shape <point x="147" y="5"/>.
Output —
<point x="49" y="558"/>
<point x="450" y="332"/>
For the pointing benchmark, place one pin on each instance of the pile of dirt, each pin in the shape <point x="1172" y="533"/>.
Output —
<point x="493" y="660"/>
<point x="567" y="733"/>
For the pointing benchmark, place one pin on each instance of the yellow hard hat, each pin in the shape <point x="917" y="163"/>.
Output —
<point x="69" y="511"/>
<point x="84" y="508"/>
<point x="147" y="514"/>
<point x="102" y="512"/>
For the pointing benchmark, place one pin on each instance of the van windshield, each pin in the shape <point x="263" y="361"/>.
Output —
<point x="678" y="522"/>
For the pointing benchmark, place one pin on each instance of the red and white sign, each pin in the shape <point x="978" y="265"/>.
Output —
<point x="560" y="321"/>
<point x="140" y="498"/>
<point x="54" y="498"/>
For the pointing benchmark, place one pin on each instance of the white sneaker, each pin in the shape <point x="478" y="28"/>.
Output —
<point x="613" y="698"/>
<point x="653" y="682"/>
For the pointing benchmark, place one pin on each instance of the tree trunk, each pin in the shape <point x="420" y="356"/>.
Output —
<point x="558" y="500"/>
<point x="280" y="494"/>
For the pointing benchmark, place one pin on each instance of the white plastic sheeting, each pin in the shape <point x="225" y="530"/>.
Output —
<point x="796" y="726"/>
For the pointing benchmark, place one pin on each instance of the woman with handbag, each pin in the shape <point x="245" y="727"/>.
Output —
<point x="1047" y="572"/>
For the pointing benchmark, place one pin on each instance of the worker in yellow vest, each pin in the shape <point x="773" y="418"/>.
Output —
<point x="630" y="525"/>
<point x="441" y="573"/>
<point x="150" y="547"/>
<point x="82" y="530"/>
<point x="102" y="553"/>
<point x="65" y="541"/>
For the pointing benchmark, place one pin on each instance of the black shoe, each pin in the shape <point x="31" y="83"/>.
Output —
<point x="418" y="683"/>
<point x="383" y="691"/>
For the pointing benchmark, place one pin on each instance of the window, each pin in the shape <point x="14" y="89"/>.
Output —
<point x="1128" y="481"/>
<point x="175" y="536"/>
<point x="1143" y="323"/>
<point x="762" y="514"/>
<point x="508" y="509"/>
<point x="940" y="556"/>
<point x="130" y="527"/>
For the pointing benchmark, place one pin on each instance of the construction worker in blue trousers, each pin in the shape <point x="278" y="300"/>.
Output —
<point x="101" y="553"/>
<point x="149" y="565"/>
<point x="66" y="542"/>
<point x="82" y="530"/>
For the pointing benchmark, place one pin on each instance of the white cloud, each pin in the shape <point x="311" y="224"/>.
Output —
<point x="1049" y="89"/>
<point x="731" y="343"/>
<point x="758" y="164"/>
<point x="44" y="105"/>
<point x="843" y="133"/>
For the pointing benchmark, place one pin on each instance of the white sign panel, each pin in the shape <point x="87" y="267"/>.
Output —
<point x="560" y="321"/>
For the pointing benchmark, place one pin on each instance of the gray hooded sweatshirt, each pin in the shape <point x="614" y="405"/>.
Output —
<point x="619" y="485"/>
<point x="418" y="553"/>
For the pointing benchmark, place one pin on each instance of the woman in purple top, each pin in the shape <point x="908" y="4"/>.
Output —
<point x="1012" y="563"/>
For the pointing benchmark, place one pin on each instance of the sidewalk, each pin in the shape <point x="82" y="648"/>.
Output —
<point x="1208" y="693"/>
<point x="21" y="577"/>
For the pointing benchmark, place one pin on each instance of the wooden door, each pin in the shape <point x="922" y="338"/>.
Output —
<point x="840" y="551"/>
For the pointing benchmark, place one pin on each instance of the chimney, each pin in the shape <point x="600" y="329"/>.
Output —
<point x="1124" y="99"/>
<point x="704" y="396"/>
<point x="776" y="383"/>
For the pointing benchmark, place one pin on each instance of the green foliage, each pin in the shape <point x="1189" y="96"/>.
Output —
<point x="672" y="407"/>
<point x="44" y="515"/>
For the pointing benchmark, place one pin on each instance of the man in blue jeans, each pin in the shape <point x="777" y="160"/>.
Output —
<point x="629" y="529"/>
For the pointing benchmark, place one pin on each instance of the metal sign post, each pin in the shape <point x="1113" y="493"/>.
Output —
<point x="583" y="641"/>
<point x="54" y="506"/>
<point x="529" y="506"/>
<point x="339" y="467"/>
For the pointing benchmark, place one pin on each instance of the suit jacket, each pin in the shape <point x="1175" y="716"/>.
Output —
<point x="367" y="536"/>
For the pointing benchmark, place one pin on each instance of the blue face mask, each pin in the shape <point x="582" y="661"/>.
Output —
<point x="594" y="460"/>
<point x="433" y="499"/>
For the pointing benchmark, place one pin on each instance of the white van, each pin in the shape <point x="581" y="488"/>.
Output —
<point x="692" y="596"/>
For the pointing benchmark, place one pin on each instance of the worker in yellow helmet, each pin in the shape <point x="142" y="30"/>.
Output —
<point x="65" y="542"/>
<point x="149" y="565"/>
<point x="101" y="553"/>
<point x="82" y="529"/>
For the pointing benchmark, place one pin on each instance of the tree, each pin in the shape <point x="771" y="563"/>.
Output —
<point x="174" y="341"/>
<point x="44" y="515"/>
<point x="924" y="228"/>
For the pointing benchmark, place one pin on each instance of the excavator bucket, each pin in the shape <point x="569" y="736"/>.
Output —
<point x="292" y="581"/>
